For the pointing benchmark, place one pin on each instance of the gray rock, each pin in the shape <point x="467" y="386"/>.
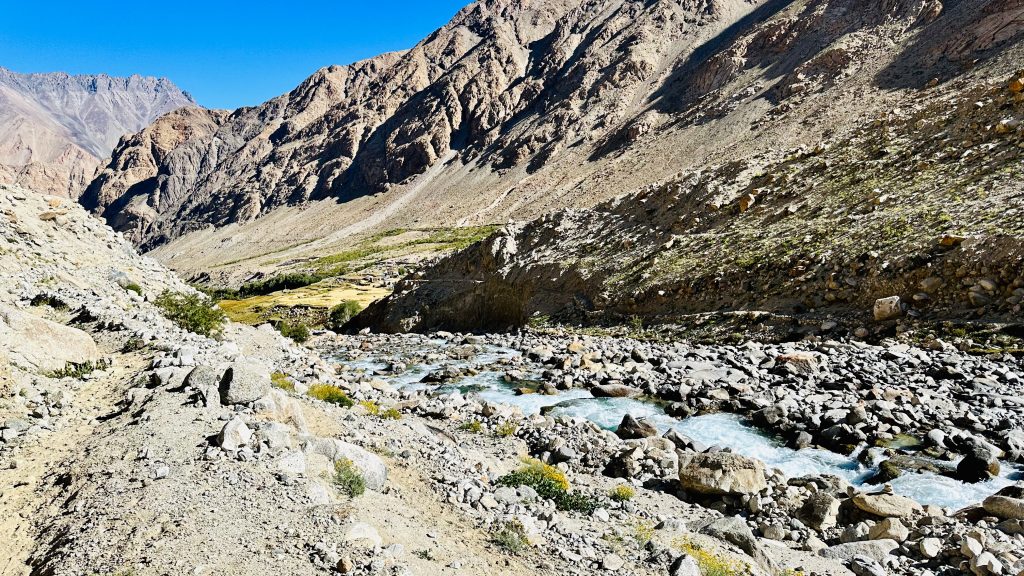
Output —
<point x="865" y="566"/>
<point x="877" y="550"/>
<point x="722" y="473"/>
<point x="244" y="382"/>
<point x="632" y="429"/>
<point x="373" y="469"/>
<point x="820" y="511"/>
<point x="206" y="380"/>
<point x="235" y="435"/>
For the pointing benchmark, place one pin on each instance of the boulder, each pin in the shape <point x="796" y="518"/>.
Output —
<point x="877" y="550"/>
<point x="886" y="505"/>
<point x="980" y="460"/>
<point x="632" y="429"/>
<point x="721" y="473"/>
<point x="820" y="511"/>
<point x="206" y="380"/>
<point x="244" y="382"/>
<point x="1004" y="507"/>
<point x="372" y="468"/>
<point x="732" y="529"/>
<point x="39" y="345"/>
<point x="614" y="391"/>
<point x="888" y="308"/>
<point x="863" y="566"/>
<point x="889" y="529"/>
<point x="235" y="435"/>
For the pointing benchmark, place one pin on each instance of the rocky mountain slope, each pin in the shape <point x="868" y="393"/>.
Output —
<point x="919" y="202"/>
<point x="55" y="129"/>
<point x="516" y="109"/>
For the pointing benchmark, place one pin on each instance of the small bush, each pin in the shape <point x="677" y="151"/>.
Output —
<point x="372" y="408"/>
<point x="391" y="414"/>
<point x="511" y="537"/>
<point x="49" y="300"/>
<point x="549" y="482"/>
<point x="281" y="381"/>
<point x="473" y="426"/>
<point x="710" y="564"/>
<point x="133" y="344"/>
<point x="622" y="493"/>
<point x="643" y="531"/>
<point x="133" y="287"/>
<point x="192" y="312"/>
<point x="342" y="313"/>
<point x="506" y="429"/>
<point x="297" y="331"/>
<point x="348" y="479"/>
<point x="331" y="394"/>
<point x="78" y="371"/>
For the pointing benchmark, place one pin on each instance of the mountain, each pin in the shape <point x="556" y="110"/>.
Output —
<point x="56" y="128"/>
<point x="516" y="109"/>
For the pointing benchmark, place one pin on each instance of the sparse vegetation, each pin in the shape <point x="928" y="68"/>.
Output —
<point x="348" y="479"/>
<point x="133" y="287"/>
<point x="473" y="426"/>
<point x="511" y="537"/>
<point x="342" y="313"/>
<point x="192" y="312"/>
<point x="331" y="394"/>
<point x="622" y="493"/>
<point x="391" y="414"/>
<point x="49" y="300"/>
<point x="281" y="381"/>
<point x="710" y="563"/>
<point x="79" y="371"/>
<point x="297" y="331"/>
<point x="371" y="407"/>
<point x="550" y="483"/>
<point x="506" y="429"/>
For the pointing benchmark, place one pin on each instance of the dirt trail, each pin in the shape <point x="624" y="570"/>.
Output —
<point x="29" y="493"/>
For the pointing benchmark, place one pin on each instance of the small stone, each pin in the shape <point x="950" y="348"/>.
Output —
<point x="888" y="308"/>
<point x="930" y="547"/>
<point x="612" y="562"/>
<point x="971" y="547"/>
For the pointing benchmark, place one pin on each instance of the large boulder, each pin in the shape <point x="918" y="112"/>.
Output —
<point x="886" y="505"/>
<point x="820" y="511"/>
<point x="980" y="460"/>
<point x="1007" y="504"/>
<point x="719" y="473"/>
<point x="372" y="468"/>
<point x="39" y="345"/>
<point x="244" y="382"/>
<point x="877" y="550"/>
<point x="632" y="429"/>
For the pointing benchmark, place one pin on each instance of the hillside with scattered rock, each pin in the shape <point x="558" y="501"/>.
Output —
<point x="516" y="109"/>
<point x="55" y="129"/>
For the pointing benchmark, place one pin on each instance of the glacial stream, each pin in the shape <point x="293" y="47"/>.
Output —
<point x="726" y="430"/>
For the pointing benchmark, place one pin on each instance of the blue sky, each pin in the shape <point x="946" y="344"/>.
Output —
<point x="226" y="54"/>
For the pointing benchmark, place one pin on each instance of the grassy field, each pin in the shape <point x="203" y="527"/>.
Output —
<point x="316" y="298"/>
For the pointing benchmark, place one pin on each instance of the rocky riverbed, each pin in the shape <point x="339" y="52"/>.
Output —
<point x="845" y="449"/>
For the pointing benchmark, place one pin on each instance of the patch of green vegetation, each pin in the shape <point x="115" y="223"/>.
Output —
<point x="710" y="564"/>
<point x="348" y="479"/>
<point x="49" y="300"/>
<point x="472" y="426"/>
<point x="622" y="493"/>
<point x="133" y="287"/>
<point x="192" y="312"/>
<point x="506" y="429"/>
<point x="330" y="394"/>
<point x="371" y="407"/>
<point x="297" y="331"/>
<point x="342" y="313"/>
<point x="281" y="381"/>
<point x="511" y="537"/>
<point x="78" y="371"/>
<point x="391" y="414"/>
<point x="550" y="483"/>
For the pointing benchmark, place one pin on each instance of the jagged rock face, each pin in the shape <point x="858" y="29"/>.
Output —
<point x="55" y="128"/>
<point x="552" y="103"/>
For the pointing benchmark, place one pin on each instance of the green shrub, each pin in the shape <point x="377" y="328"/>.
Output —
<point x="391" y="414"/>
<point x="710" y="564"/>
<point x="331" y="394"/>
<point x="473" y="426"/>
<point x="506" y="429"/>
<point x="297" y="331"/>
<point x="133" y="287"/>
<point x="192" y="312"/>
<point x="289" y="281"/>
<point x="342" y="313"/>
<point x="348" y="479"/>
<point x="78" y="371"/>
<point x="550" y="483"/>
<point x="622" y="493"/>
<point x="372" y="408"/>
<point x="281" y="381"/>
<point x="511" y="537"/>
<point x="49" y="300"/>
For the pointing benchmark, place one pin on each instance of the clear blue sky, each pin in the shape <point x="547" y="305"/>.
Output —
<point x="226" y="54"/>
